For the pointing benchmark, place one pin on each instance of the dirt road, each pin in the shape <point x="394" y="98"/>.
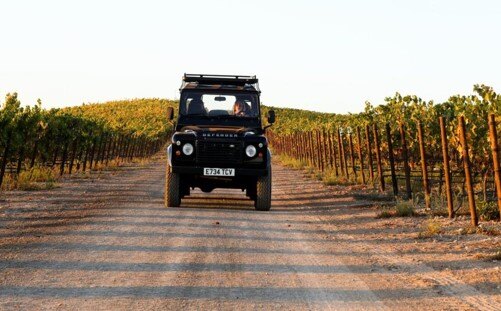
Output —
<point x="108" y="243"/>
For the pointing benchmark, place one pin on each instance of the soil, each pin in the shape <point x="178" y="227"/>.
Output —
<point x="107" y="242"/>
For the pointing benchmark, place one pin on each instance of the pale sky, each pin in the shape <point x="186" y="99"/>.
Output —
<point x="327" y="56"/>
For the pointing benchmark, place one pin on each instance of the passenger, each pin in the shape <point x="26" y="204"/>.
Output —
<point x="240" y="109"/>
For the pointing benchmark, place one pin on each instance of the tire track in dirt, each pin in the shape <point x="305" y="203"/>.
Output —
<point x="110" y="244"/>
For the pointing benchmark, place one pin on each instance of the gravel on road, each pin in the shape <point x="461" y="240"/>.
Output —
<point x="108" y="243"/>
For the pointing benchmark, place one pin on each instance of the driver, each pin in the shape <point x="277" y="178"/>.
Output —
<point x="240" y="109"/>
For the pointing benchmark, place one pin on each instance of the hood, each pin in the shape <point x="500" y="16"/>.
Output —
<point x="218" y="131"/>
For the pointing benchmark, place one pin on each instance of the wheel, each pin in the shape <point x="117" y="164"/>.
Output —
<point x="172" y="195"/>
<point x="263" y="193"/>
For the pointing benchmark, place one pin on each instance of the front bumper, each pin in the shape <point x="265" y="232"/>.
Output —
<point x="194" y="170"/>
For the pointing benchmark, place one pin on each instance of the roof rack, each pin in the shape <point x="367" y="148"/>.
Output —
<point x="220" y="79"/>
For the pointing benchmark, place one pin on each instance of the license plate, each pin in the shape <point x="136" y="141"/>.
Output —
<point x="219" y="171"/>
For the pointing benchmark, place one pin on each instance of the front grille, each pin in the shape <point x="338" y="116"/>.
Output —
<point x="217" y="152"/>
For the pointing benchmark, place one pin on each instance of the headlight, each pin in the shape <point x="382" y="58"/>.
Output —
<point x="250" y="151"/>
<point x="188" y="149"/>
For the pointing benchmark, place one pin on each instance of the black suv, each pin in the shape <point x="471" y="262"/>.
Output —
<point x="219" y="140"/>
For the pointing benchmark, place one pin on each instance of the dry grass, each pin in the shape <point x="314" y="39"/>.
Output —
<point x="36" y="178"/>
<point x="430" y="228"/>
<point x="292" y="163"/>
<point x="400" y="209"/>
<point x="438" y="205"/>
<point x="405" y="209"/>
<point x="42" y="178"/>
<point x="330" y="179"/>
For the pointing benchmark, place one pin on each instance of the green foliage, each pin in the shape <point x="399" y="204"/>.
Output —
<point x="401" y="209"/>
<point x="488" y="210"/>
<point x="411" y="110"/>
<point x="142" y="117"/>
<point x="404" y="209"/>
<point x="32" y="135"/>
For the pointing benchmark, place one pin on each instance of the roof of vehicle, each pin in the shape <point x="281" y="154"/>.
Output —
<point x="220" y="82"/>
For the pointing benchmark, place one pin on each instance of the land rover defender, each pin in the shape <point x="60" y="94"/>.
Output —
<point x="219" y="140"/>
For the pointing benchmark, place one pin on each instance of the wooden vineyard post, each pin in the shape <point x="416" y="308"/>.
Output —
<point x="301" y="143"/>
<point x="308" y="148"/>
<point x="109" y="150"/>
<point x="34" y="153"/>
<point x="495" y="158"/>
<point x="392" y="160"/>
<point x="5" y="157"/>
<point x="360" y="157"/>
<point x="312" y="149"/>
<point x="64" y="158"/>
<point x="352" y="155"/>
<point x="369" y="152"/>
<point x="378" y="158"/>
<point x="296" y="140"/>
<point x="467" y="171"/>
<point x="102" y="147"/>
<point x="424" y="168"/>
<point x="306" y="151"/>
<point x="295" y="143"/>
<point x="21" y="157"/>
<point x="343" y="154"/>
<point x="405" y="157"/>
<point x="92" y="153"/>
<point x="340" y="149"/>
<point x="334" y="153"/>
<point x="73" y="154"/>
<point x="320" y="150"/>
<point x="447" y="170"/>
<point x="103" y="150"/>
<point x="56" y="153"/>
<point x="86" y="155"/>
<point x="325" y="148"/>
<point x="327" y="145"/>
<point x="329" y="148"/>
<point x="317" y="147"/>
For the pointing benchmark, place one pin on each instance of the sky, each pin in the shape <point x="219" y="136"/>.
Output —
<point x="328" y="56"/>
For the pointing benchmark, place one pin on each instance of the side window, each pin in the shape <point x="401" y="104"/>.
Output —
<point x="250" y="107"/>
<point x="187" y="104"/>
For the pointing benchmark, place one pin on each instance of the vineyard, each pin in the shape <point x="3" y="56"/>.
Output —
<point x="36" y="143"/>
<point x="411" y="147"/>
<point x="444" y="155"/>
<point x="103" y="239"/>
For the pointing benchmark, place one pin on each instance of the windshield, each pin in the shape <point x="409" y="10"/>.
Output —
<point x="219" y="105"/>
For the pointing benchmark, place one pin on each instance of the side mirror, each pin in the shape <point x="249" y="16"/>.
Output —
<point x="271" y="116"/>
<point x="170" y="113"/>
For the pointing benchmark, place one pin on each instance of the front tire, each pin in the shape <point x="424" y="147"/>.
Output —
<point x="263" y="192"/>
<point x="172" y="186"/>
